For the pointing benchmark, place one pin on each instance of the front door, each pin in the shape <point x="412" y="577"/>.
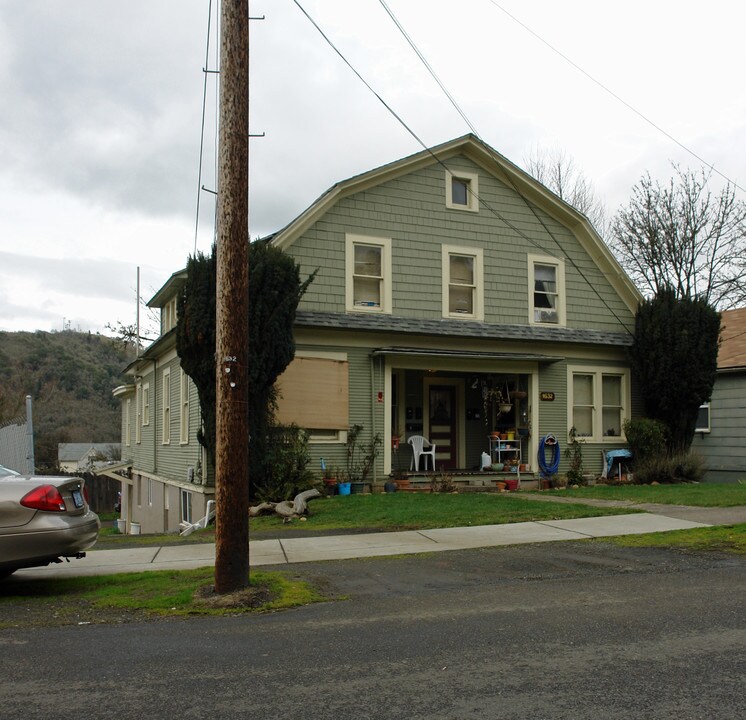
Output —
<point x="442" y="421"/>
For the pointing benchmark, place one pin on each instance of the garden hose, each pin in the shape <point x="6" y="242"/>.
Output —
<point x="550" y="468"/>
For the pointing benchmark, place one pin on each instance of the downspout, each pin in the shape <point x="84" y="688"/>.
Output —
<point x="155" y="416"/>
<point x="373" y="412"/>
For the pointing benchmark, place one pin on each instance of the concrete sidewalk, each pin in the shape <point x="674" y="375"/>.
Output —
<point x="342" y="547"/>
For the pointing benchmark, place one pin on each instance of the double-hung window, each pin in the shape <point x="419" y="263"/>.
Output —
<point x="463" y="282"/>
<point x="368" y="282"/>
<point x="184" y="408"/>
<point x="138" y="413"/>
<point x="598" y="402"/>
<point x="546" y="290"/>
<point x="166" y="432"/>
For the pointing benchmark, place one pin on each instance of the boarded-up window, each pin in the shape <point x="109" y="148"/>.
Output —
<point x="314" y="393"/>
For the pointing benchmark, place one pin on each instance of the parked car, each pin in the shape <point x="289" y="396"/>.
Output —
<point x="42" y="520"/>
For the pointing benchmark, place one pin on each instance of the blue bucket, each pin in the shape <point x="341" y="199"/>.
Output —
<point x="343" y="488"/>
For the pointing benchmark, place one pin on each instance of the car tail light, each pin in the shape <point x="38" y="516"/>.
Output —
<point x="45" y="497"/>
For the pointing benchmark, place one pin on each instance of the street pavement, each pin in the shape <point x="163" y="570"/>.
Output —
<point x="287" y="551"/>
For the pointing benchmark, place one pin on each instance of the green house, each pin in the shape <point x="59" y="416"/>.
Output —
<point x="456" y="299"/>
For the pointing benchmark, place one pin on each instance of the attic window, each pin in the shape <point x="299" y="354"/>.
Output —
<point x="462" y="191"/>
<point x="368" y="283"/>
<point x="547" y="305"/>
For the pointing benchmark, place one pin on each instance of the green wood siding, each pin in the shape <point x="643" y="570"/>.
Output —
<point x="723" y="449"/>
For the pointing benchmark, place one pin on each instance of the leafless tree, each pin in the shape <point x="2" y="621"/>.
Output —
<point x="558" y="171"/>
<point x="684" y="236"/>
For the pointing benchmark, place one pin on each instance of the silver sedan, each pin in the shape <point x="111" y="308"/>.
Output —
<point x="42" y="520"/>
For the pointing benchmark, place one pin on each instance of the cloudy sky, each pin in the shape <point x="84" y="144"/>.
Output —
<point x="102" y="107"/>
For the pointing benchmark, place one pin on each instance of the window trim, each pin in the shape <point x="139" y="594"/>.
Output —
<point x="351" y="240"/>
<point x="128" y="422"/>
<point x="145" y="404"/>
<point x="185" y="505"/>
<point x="166" y="407"/>
<point x="138" y="413"/>
<point x="598" y="372"/>
<point x="472" y="190"/>
<point x="559" y="265"/>
<point x="183" y="408"/>
<point x="478" y="255"/>
<point x="707" y="429"/>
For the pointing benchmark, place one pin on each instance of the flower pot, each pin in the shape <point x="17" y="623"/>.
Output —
<point x="402" y="483"/>
<point x="511" y="484"/>
<point x="343" y="488"/>
<point x="498" y="467"/>
<point x="501" y="485"/>
<point x="357" y="488"/>
<point x="330" y="485"/>
<point x="506" y="407"/>
<point x="389" y="487"/>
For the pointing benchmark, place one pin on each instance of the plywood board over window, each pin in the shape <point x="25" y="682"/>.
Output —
<point x="314" y="393"/>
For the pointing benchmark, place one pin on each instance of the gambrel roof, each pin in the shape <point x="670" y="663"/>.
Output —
<point x="530" y="189"/>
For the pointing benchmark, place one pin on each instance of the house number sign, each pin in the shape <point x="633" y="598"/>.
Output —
<point x="546" y="396"/>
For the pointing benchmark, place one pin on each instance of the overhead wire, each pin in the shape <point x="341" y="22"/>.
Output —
<point x="202" y="131"/>
<point x="495" y="212"/>
<point x="617" y="97"/>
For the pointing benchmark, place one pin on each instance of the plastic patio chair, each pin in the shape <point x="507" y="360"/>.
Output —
<point x="418" y="443"/>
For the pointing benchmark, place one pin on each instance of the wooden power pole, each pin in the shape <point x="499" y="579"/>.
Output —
<point x="232" y="305"/>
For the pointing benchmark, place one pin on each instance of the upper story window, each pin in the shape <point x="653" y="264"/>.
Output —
<point x="168" y="316"/>
<point x="166" y="429"/>
<point x="547" y="290"/>
<point x="128" y="422"/>
<point x="146" y="404"/>
<point x="184" y="408"/>
<point x="598" y="402"/>
<point x="462" y="190"/>
<point x="138" y="413"/>
<point x="463" y="282"/>
<point x="368" y="271"/>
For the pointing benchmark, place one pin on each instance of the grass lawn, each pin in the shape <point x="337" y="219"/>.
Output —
<point x="724" y="538"/>
<point x="700" y="494"/>
<point x="117" y="598"/>
<point x="390" y="511"/>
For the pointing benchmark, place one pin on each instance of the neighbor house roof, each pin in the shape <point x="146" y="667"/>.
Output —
<point x="72" y="452"/>
<point x="732" y="353"/>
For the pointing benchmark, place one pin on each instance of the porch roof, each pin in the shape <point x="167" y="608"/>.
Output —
<point x="465" y="354"/>
<point x="458" y="328"/>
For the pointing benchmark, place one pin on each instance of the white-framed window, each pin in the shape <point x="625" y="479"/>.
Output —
<point x="463" y="282"/>
<point x="168" y="316"/>
<point x="368" y="274"/>
<point x="462" y="190"/>
<point x="546" y="293"/>
<point x="598" y="402"/>
<point x="128" y="422"/>
<point x="320" y="435"/>
<point x="138" y="413"/>
<point x="186" y="506"/>
<point x="166" y="430"/>
<point x="184" y="408"/>
<point x="703" y="419"/>
<point x="146" y="403"/>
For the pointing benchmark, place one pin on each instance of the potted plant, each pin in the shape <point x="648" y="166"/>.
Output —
<point x="359" y="460"/>
<point x="329" y="478"/>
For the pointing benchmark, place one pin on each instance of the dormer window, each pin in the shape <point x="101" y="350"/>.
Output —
<point x="168" y="316"/>
<point x="462" y="191"/>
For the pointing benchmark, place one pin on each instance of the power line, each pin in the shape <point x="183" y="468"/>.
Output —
<point x="615" y="96"/>
<point x="495" y="212"/>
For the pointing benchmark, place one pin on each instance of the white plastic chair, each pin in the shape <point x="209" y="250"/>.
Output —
<point x="418" y="443"/>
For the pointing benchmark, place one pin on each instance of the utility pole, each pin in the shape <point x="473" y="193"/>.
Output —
<point x="232" y="305"/>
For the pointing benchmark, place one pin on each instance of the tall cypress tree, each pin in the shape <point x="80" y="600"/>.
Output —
<point x="674" y="360"/>
<point x="275" y="289"/>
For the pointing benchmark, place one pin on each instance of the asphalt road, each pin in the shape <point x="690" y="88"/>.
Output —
<point x="570" y="630"/>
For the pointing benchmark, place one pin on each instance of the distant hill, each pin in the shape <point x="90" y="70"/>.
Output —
<point x="70" y="376"/>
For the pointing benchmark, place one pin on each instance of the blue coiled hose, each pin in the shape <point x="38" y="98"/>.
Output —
<point x="548" y="469"/>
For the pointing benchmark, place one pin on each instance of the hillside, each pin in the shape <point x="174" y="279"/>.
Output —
<point x="70" y="377"/>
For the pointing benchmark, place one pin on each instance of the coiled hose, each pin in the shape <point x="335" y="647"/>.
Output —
<point x="549" y="468"/>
